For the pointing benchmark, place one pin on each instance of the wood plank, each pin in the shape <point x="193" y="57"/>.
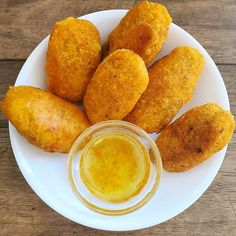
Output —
<point x="228" y="73"/>
<point x="211" y="22"/>
<point x="8" y="74"/>
<point x="23" y="212"/>
<point x="219" y="43"/>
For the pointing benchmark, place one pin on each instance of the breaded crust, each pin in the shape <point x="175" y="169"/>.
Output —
<point x="143" y="29"/>
<point x="73" y="54"/>
<point x="44" y="119"/>
<point x="115" y="87"/>
<point x="195" y="136"/>
<point x="172" y="81"/>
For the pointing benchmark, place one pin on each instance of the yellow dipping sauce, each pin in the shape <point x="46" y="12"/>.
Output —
<point x="114" y="166"/>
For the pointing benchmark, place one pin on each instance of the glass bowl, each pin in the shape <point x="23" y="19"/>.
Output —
<point x="75" y="168"/>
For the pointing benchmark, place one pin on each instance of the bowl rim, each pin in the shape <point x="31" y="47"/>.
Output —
<point x="99" y="127"/>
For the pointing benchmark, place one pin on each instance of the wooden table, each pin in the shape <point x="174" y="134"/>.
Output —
<point x="23" y="24"/>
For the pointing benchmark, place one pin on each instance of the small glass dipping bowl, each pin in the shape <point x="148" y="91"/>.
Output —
<point x="93" y="201"/>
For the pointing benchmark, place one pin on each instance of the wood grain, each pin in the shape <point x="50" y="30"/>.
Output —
<point x="23" y="24"/>
<point x="211" y="22"/>
<point x="8" y="74"/>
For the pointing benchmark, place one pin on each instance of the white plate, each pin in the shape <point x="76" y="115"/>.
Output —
<point x="46" y="173"/>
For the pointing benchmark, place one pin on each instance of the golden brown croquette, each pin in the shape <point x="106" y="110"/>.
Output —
<point x="73" y="54"/>
<point x="116" y="86"/>
<point x="172" y="81"/>
<point x="143" y="29"/>
<point x="44" y="119"/>
<point x="195" y="136"/>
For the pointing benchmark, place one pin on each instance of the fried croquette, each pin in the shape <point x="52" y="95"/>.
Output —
<point x="172" y="81"/>
<point x="195" y="136"/>
<point x="143" y="29"/>
<point x="44" y="119"/>
<point x="115" y="87"/>
<point x="73" y="54"/>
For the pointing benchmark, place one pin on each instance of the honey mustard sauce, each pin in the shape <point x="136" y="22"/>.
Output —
<point x="114" y="166"/>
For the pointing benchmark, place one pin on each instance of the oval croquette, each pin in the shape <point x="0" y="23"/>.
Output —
<point x="73" y="54"/>
<point x="172" y="81"/>
<point x="195" y="136"/>
<point x="143" y="29"/>
<point x="44" y="119"/>
<point x="115" y="87"/>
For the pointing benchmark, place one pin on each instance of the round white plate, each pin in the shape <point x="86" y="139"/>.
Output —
<point x="46" y="173"/>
